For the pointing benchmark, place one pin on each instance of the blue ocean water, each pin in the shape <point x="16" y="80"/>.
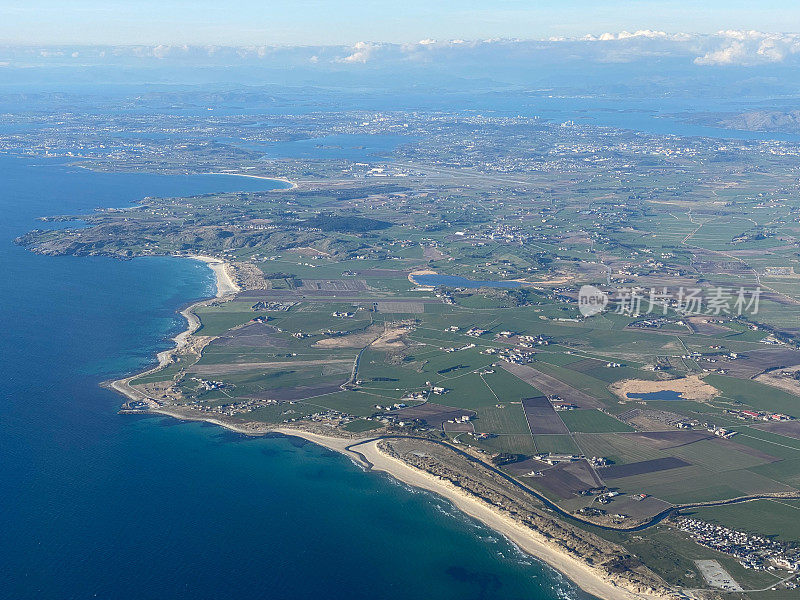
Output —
<point x="99" y="505"/>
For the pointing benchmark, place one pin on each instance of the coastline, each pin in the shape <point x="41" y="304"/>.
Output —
<point x="226" y="286"/>
<point x="225" y="283"/>
<point x="527" y="540"/>
<point x="292" y="184"/>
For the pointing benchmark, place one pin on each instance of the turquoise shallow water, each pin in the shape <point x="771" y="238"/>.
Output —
<point x="98" y="505"/>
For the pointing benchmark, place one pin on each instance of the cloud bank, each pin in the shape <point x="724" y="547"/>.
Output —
<point x="749" y="48"/>
<point x="722" y="49"/>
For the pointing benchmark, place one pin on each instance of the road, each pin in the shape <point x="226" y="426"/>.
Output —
<point x="654" y="520"/>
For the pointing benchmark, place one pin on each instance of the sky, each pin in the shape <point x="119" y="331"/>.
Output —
<point x="321" y="22"/>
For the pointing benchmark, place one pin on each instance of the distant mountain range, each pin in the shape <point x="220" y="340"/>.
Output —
<point x="764" y="120"/>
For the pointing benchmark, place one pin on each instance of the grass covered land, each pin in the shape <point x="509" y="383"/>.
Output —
<point x="282" y="357"/>
<point x="629" y="421"/>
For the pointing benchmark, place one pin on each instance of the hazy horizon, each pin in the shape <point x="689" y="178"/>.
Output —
<point x="347" y="22"/>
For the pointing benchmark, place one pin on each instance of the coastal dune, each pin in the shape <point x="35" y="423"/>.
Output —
<point x="526" y="539"/>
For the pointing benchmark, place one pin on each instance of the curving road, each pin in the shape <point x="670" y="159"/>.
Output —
<point x="654" y="520"/>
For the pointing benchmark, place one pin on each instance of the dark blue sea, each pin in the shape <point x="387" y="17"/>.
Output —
<point x="98" y="505"/>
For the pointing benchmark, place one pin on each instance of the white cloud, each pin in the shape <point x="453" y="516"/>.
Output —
<point x="644" y="34"/>
<point x="748" y="48"/>
<point x="731" y="47"/>
<point x="362" y="51"/>
<point x="645" y="46"/>
<point x="162" y="51"/>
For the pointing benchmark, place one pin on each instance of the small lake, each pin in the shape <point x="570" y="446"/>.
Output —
<point x="462" y="282"/>
<point x="662" y="395"/>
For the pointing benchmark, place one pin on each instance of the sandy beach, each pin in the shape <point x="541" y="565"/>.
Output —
<point x="292" y="184"/>
<point x="226" y="286"/>
<point x="526" y="539"/>
<point x="225" y="283"/>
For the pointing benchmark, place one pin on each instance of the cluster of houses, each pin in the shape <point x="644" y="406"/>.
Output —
<point x="234" y="408"/>
<point x="507" y="233"/>
<point x="421" y="396"/>
<point x="721" y="432"/>
<point x="460" y="419"/>
<point x="446" y="298"/>
<point x="343" y="315"/>
<point x="518" y="357"/>
<point x="334" y="333"/>
<point x="399" y="405"/>
<point x="273" y="306"/>
<point x="328" y="417"/>
<point x="512" y="355"/>
<point x="529" y="341"/>
<point x="552" y="458"/>
<point x="475" y="332"/>
<point x="599" y="461"/>
<point x="333" y="417"/>
<point x="761" y="415"/>
<point x="208" y="385"/>
<point x="752" y="551"/>
<point x="654" y="323"/>
<point x="459" y="349"/>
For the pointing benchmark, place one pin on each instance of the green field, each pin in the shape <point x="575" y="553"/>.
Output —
<point x="773" y="518"/>
<point x="591" y="421"/>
